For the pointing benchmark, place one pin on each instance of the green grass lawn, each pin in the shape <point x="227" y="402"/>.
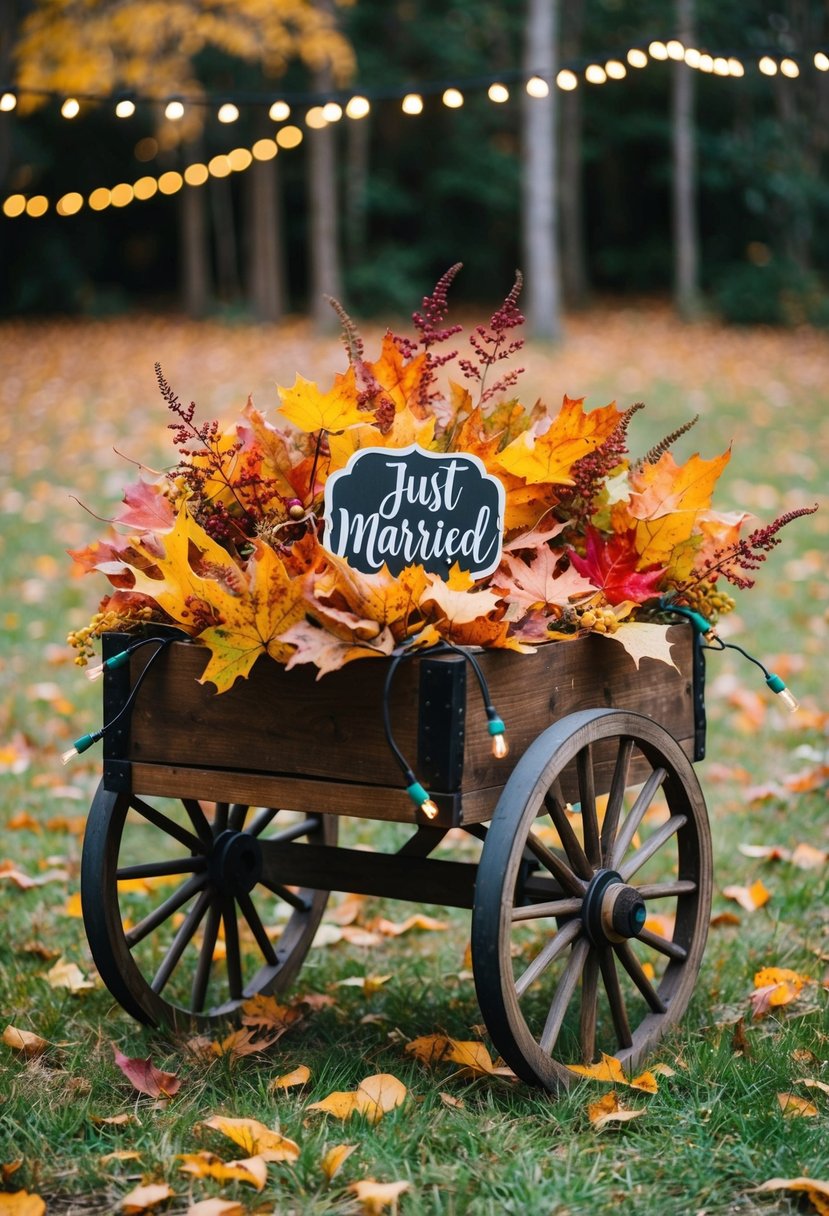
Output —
<point x="715" y="1131"/>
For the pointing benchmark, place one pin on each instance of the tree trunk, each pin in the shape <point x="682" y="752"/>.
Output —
<point x="194" y="268"/>
<point x="266" y="268"/>
<point x="323" y="209"/>
<point x="686" y="243"/>
<point x="541" y="261"/>
<point x="574" y="275"/>
<point x="8" y="21"/>
<point x="356" y="184"/>
<point x="224" y="233"/>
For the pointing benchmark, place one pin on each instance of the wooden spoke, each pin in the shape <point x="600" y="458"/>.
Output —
<point x="652" y="845"/>
<point x="198" y="820"/>
<point x="163" y="822"/>
<point x="257" y="929"/>
<point x="261" y="821"/>
<point x="556" y="907"/>
<point x="181" y="940"/>
<point x="633" y="967"/>
<point x="662" y="944"/>
<point x="162" y="869"/>
<point x="636" y="815"/>
<point x="287" y="895"/>
<point x="201" y="977"/>
<point x="660" y="890"/>
<point x="587" y="797"/>
<point x="303" y="827"/>
<point x="558" y="868"/>
<point x="616" y="798"/>
<point x="220" y="818"/>
<point x="615" y="998"/>
<point x="236" y="818"/>
<point x="551" y="951"/>
<point x="233" y="955"/>
<point x="177" y="900"/>
<point x="575" y="853"/>
<point x="563" y="993"/>
<point x="589" y="1002"/>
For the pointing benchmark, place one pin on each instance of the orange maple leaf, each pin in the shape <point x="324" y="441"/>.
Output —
<point x="549" y="457"/>
<point x="400" y="380"/>
<point x="666" y="505"/>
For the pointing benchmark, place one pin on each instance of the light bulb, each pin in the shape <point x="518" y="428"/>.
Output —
<point x="430" y="809"/>
<point x="500" y="747"/>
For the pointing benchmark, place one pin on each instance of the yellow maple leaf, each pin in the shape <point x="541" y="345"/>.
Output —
<point x="666" y="504"/>
<point x="399" y="380"/>
<point x="607" y="1069"/>
<point x="252" y="1170"/>
<point x="309" y="409"/>
<point x="387" y="601"/>
<point x="572" y="434"/>
<point x="373" y="1097"/>
<point x="255" y="1138"/>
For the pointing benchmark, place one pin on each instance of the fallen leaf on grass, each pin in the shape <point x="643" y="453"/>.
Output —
<point x="646" y="1081"/>
<point x="821" y="1085"/>
<point x="750" y="898"/>
<point x="266" y="1011"/>
<point x="373" y="1097"/>
<point x="347" y="911"/>
<point x="146" y="1078"/>
<point x="252" y="1170"/>
<point x="298" y="1076"/>
<point x="8" y="1168"/>
<point x="368" y="983"/>
<point x="24" y="822"/>
<point x="817" y="1192"/>
<point x="236" y="1045"/>
<point x="72" y="907"/>
<point x="68" y="975"/>
<point x="775" y="986"/>
<point x="119" y="1154"/>
<point x="451" y="1100"/>
<point x="390" y="928"/>
<point x="472" y="1057"/>
<point x="21" y="1203"/>
<point x="255" y="1138"/>
<point x="216" y="1207"/>
<point x="724" y="918"/>
<point x="28" y="1044"/>
<point x="335" y="1158"/>
<point x="607" y="1110"/>
<point x="375" y="1196"/>
<point x="142" y="1198"/>
<point x="807" y="857"/>
<point x="607" y="1069"/>
<point x="112" y="1120"/>
<point x="11" y="873"/>
<point x="791" y="1105"/>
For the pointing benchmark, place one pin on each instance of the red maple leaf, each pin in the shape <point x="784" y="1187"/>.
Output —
<point x="611" y="565"/>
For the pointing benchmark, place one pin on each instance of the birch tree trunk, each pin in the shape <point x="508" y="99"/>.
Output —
<point x="686" y="242"/>
<point x="323" y="210"/>
<point x="574" y="275"/>
<point x="540" y="236"/>
<point x="265" y="262"/>
<point x="194" y="244"/>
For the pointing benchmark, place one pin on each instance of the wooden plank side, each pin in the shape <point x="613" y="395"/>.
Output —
<point x="289" y="723"/>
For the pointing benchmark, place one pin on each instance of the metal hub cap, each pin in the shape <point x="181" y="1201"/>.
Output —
<point x="612" y="910"/>
<point x="235" y="864"/>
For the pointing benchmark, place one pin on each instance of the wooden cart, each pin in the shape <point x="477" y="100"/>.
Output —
<point x="212" y="841"/>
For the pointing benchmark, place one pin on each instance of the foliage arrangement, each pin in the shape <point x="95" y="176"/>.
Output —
<point x="227" y="545"/>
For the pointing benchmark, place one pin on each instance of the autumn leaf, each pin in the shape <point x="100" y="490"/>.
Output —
<point x="607" y="1069"/>
<point x="471" y="1057"/>
<point x="300" y="1075"/>
<point x="146" y="508"/>
<point x="68" y="975"/>
<point x="261" y="1010"/>
<point x="794" y="1107"/>
<point x="549" y="457"/>
<point x="368" y="983"/>
<point x="256" y="1139"/>
<point x="142" y="1198"/>
<point x="816" y="1191"/>
<point x="216" y="1207"/>
<point x="750" y="898"/>
<point x="547" y="580"/>
<point x="21" y="1203"/>
<point x="333" y="1161"/>
<point x="373" y="1098"/>
<point x="374" y="1197"/>
<point x="666" y="502"/>
<point x="235" y="1046"/>
<point x="607" y="1110"/>
<point x="611" y="564"/>
<point x="456" y="601"/>
<point x="146" y="1078"/>
<point x="311" y="410"/>
<point x="252" y="1170"/>
<point x="25" y="1042"/>
<point x="399" y="379"/>
<point x="314" y="644"/>
<point x="642" y="640"/>
<point x="417" y="920"/>
<point x="775" y="986"/>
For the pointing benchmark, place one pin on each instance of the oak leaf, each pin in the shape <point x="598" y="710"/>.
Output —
<point x="255" y="1138"/>
<point x="549" y="457"/>
<point x="309" y="409"/>
<point x="146" y="1078"/>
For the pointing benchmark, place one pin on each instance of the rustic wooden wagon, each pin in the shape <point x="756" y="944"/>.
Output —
<point x="212" y="841"/>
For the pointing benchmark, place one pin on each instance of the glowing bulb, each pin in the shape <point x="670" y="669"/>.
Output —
<point x="412" y="103"/>
<point x="228" y="112"/>
<point x="615" y="69"/>
<point x="358" y="107"/>
<point x="500" y="747"/>
<point x="196" y="175"/>
<point x="537" y="87"/>
<point x="95" y="672"/>
<point x="736" y="68"/>
<point x="70" y="204"/>
<point x="315" y="119"/>
<point x="567" y="80"/>
<point x="595" y="74"/>
<point x="37" y="206"/>
<point x="279" y="111"/>
<point x="289" y="137"/>
<point x="499" y="93"/>
<point x="789" y="68"/>
<point x="173" y="111"/>
<point x="453" y="98"/>
<point x="332" y="112"/>
<point x="785" y="694"/>
<point x="68" y="755"/>
<point x="706" y="63"/>
<point x="9" y="100"/>
<point x="821" y="63"/>
<point x="675" y="49"/>
<point x="637" y="58"/>
<point x="219" y="166"/>
<point x="692" y="57"/>
<point x="71" y="108"/>
<point x="14" y="205"/>
<point x="122" y="194"/>
<point x="721" y="67"/>
<point x="170" y="182"/>
<point x="125" y="108"/>
<point x="430" y="809"/>
<point x="263" y="149"/>
<point x="145" y="188"/>
<point x="239" y="159"/>
<point x="100" y="199"/>
<point x="658" y="50"/>
<point x="767" y="66"/>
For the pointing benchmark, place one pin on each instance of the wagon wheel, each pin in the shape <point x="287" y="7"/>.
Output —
<point x="590" y="918"/>
<point x="182" y="922"/>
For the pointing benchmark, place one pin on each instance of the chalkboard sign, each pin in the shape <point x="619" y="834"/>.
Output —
<point x="403" y="507"/>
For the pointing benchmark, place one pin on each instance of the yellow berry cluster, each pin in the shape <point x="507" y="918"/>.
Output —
<point x="83" y="640"/>
<point x="600" y="618"/>
<point x="709" y="600"/>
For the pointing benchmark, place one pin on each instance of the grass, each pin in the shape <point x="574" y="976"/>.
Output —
<point x="714" y="1131"/>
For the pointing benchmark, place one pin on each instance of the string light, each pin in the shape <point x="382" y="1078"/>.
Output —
<point x="821" y="63"/>
<point x="768" y="66"/>
<point x="706" y="63"/>
<point x="125" y="108"/>
<point x="453" y="98"/>
<point x="675" y="49"/>
<point x="145" y="188"/>
<point x="219" y="166"/>
<point x="196" y="175"/>
<point x="615" y="70"/>
<point x="412" y="103"/>
<point x="289" y="137"/>
<point x="37" y="205"/>
<point x="332" y="111"/>
<point x="70" y="204"/>
<point x="239" y="160"/>
<point x="692" y="57"/>
<point x="280" y="111"/>
<point x="721" y="66"/>
<point x="736" y="67"/>
<point x="228" y="112"/>
<point x="8" y="101"/>
<point x="358" y="107"/>
<point x="122" y="195"/>
<point x="658" y="50"/>
<point x="499" y="93"/>
<point x="14" y="205"/>
<point x="174" y="110"/>
<point x="71" y="108"/>
<point x="567" y="80"/>
<point x="789" y="68"/>
<point x="595" y="74"/>
<point x="315" y="119"/>
<point x="536" y="86"/>
<point x="170" y="182"/>
<point x="100" y="199"/>
<point x="637" y="58"/>
<point x="263" y="149"/>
